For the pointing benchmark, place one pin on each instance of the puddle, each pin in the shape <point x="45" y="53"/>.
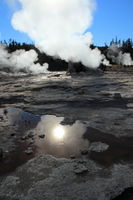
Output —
<point x="12" y="160"/>
<point x="48" y="134"/>
<point x="60" y="140"/>
<point x="16" y="117"/>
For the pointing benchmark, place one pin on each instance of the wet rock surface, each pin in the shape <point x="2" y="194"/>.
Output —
<point x="1" y="153"/>
<point x="64" y="137"/>
<point x="98" y="147"/>
<point x="127" y="194"/>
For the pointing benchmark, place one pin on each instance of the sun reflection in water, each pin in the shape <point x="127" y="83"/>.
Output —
<point x="59" y="132"/>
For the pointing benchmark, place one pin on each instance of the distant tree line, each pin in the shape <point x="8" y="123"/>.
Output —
<point x="126" y="46"/>
<point x="56" y="64"/>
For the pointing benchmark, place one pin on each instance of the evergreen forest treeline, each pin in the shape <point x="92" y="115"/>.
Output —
<point x="56" y="64"/>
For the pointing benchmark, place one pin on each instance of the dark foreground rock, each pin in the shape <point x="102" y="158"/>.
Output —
<point x="126" y="195"/>
<point x="46" y="178"/>
<point x="96" y="111"/>
<point x="1" y="153"/>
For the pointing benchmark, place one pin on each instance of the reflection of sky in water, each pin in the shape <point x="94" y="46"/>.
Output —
<point x="60" y="140"/>
<point x="57" y="136"/>
<point x="17" y="117"/>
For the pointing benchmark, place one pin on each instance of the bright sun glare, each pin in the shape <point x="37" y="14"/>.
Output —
<point x="59" y="132"/>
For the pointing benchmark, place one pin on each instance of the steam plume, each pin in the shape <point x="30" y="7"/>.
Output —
<point x="21" y="60"/>
<point x="118" y="57"/>
<point x="58" y="28"/>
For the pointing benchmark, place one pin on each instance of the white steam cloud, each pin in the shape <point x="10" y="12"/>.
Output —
<point x="58" y="28"/>
<point x="118" y="57"/>
<point x="125" y="59"/>
<point x="21" y="60"/>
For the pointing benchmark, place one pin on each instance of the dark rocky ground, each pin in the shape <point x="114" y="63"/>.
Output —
<point x="95" y="159"/>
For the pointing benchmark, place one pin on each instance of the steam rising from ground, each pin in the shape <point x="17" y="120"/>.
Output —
<point x="118" y="57"/>
<point x="58" y="28"/>
<point x="21" y="60"/>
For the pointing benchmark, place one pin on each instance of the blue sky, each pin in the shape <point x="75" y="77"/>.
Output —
<point x="6" y="29"/>
<point x="112" y="18"/>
